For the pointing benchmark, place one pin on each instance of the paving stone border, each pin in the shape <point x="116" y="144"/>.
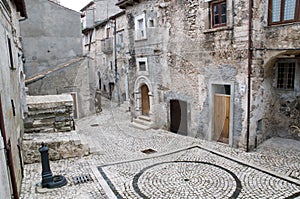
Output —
<point x="218" y="177"/>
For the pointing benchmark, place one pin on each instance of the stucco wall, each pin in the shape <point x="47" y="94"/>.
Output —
<point x="51" y="35"/>
<point x="11" y="92"/>
<point x="105" y="9"/>
<point x="76" y="78"/>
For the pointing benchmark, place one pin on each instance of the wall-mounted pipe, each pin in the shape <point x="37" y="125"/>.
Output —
<point x="250" y="53"/>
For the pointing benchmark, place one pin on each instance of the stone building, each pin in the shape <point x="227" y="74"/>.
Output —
<point x="12" y="97"/>
<point x="219" y="70"/>
<point x="104" y="33"/>
<point x="53" y="51"/>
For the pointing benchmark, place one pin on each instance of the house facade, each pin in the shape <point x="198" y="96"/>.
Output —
<point x="54" y="59"/>
<point x="219" y="70"/>
<point x="12" y="97"/>
<point x="104" y="40"/>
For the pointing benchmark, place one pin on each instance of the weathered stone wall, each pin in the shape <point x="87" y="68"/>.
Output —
<point x="201" y="56"/>
<point x="61" y="146"/>
<point x="189" y="60"/>
<point x="50" y="120"/>
<point x="273" y="110"/>
<point x="49" y="114"/>
<point x="154" y="49"/>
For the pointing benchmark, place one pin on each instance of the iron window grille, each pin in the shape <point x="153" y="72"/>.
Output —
<point x="286" y="75"/>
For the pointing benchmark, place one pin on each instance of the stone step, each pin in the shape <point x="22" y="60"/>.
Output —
<point x="61" y="146"/>
<point x="139" y="126"/>
<point x="145" y="118"/>
<point x="142" y="122"/>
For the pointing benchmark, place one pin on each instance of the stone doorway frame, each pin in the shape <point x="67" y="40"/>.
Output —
<point x="140" y="81"/>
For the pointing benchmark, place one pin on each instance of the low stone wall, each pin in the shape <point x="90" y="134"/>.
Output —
<point x="51" y="113"/>
<point x="61" y="146"/>
<point x="50" y="120"/>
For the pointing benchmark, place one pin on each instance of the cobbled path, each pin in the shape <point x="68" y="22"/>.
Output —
<point x="180" y="167"/>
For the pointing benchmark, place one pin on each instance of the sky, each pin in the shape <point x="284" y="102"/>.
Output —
<point x="75" y="4"/>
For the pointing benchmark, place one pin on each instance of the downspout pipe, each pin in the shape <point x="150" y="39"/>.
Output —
<point x="250" y="54"/>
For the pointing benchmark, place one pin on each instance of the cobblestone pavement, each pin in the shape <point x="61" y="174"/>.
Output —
<point x="176" y="167"/>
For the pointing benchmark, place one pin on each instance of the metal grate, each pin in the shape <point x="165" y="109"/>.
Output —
<point x="82" y="179"/>
<point x="149" y="151"/>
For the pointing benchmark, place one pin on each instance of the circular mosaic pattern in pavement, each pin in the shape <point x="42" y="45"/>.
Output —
<point x="185" y="179"/>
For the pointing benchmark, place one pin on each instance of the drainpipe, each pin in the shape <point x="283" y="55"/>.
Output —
<point x="250" y="44"/>
<point x="116" y="60"/>
<point x="7" y="147"/>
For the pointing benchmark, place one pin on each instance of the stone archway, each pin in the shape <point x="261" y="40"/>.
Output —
<point x="143" y="96"/>
<point x="276" y="108"/>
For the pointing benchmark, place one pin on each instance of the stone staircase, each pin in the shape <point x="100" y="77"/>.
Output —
<point x="49" y="120"/>
<point x="142" y="122"/>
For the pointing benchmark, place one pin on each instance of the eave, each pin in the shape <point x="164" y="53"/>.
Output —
<point x="20" y="4"/>
<point x="123" y="4"/>
<point x="87" y="6"/>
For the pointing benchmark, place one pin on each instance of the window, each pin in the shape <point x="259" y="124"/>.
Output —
<point x="86" y="39"/>
<point x="284" y="11"/>
<point x="218" y="14"/>
<point x="120" y="39"/>
<point x="13" y="107"/>
<point x="140" y="27"/>
<point x="142" y="64"/>
<point x="11" y="58"/>
<point x="151" y="23"/>
<point x="286" y="75"/>
<point x="93" y="35"/>
<point x="107" y="32"/>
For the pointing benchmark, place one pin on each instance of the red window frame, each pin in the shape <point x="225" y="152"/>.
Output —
<point x="217" y="18"/>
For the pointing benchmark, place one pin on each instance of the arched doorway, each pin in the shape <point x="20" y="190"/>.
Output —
<point x="145" y="100"/>
<point x="178" y="116"/>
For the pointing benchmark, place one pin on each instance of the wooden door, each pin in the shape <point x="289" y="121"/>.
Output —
<point x="221" y="117"/>
<point x="145" y="100"/>
<point x="178" y="116"/>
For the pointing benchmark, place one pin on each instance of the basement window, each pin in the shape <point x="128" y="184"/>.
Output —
<point x="286" y="75"/>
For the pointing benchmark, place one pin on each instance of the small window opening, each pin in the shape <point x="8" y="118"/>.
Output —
<point x="286" y="75"/>
<point x="13" y="107"/>
<point x="151" y="23"/>
<point x="11" y="59"/>
<point x="142" y="66"/>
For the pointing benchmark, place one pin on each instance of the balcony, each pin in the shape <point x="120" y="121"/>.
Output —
<point x="107" y="45"/>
